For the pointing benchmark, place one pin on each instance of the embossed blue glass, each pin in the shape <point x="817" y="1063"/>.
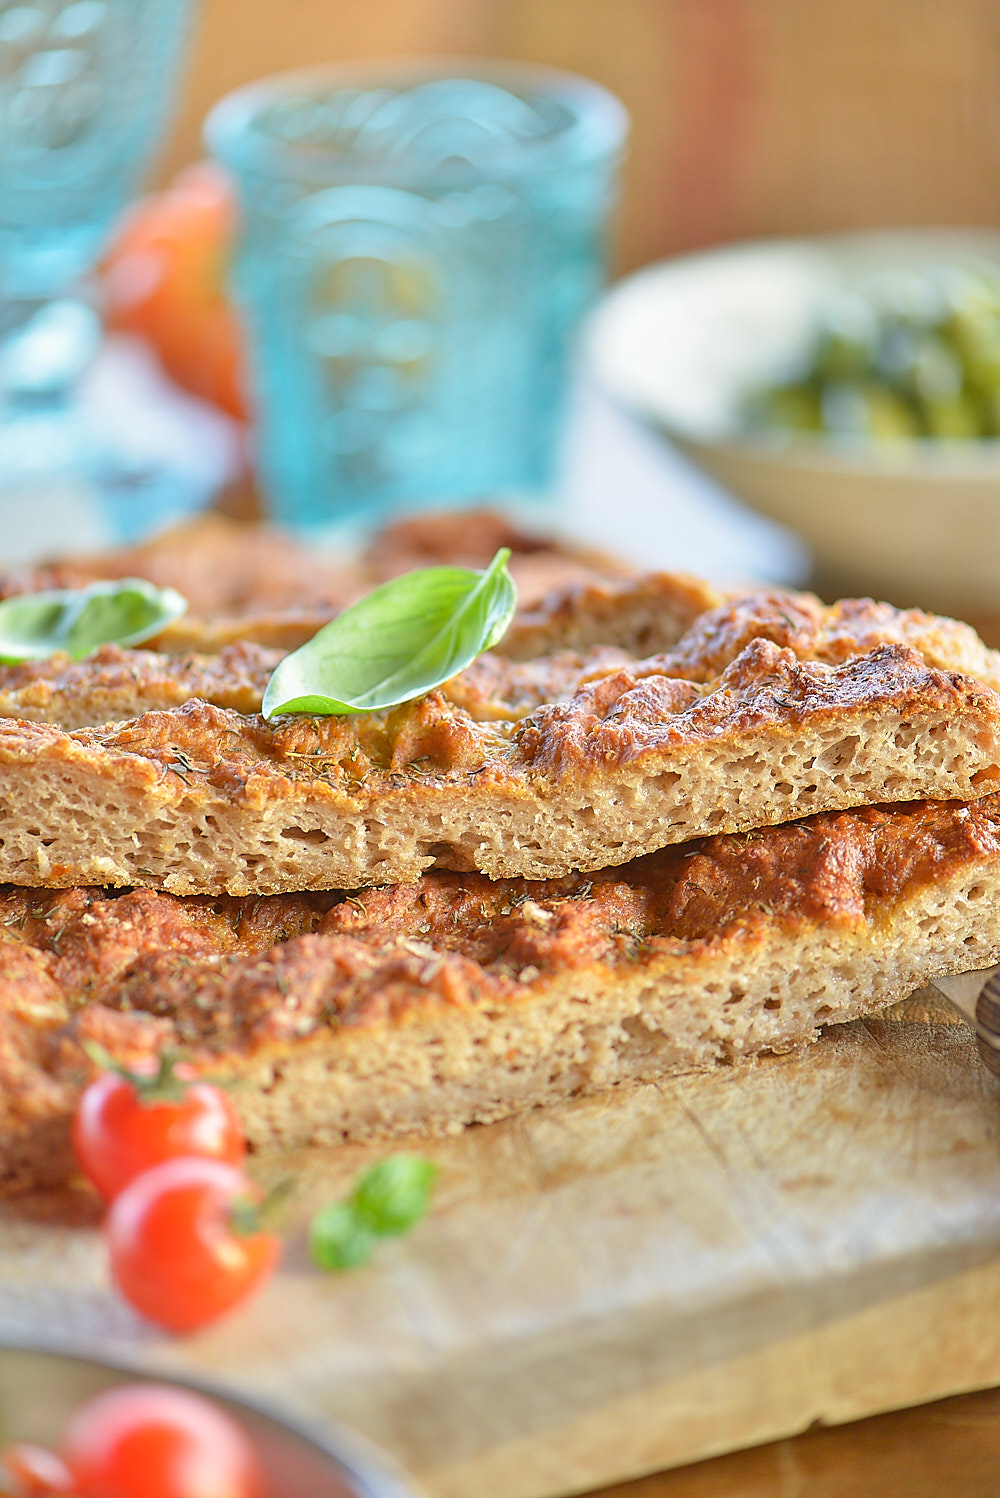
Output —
<point x="418" y="249"/>
<point x="85" y="87"/>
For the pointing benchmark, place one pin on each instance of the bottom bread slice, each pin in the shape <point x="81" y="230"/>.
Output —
<point x="425" y="1007"/>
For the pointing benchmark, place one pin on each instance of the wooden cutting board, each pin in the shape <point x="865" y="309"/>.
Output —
<point x="626" y="1282"/>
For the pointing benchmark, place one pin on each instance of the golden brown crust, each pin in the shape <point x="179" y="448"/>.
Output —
<point x="249" y="582"/>
<point x="245" y="983"/>
<point x="763" y="708"/>
<point x="831" y="633"/>
<point x="116" y="683"/>
<point x="223" y="568"/>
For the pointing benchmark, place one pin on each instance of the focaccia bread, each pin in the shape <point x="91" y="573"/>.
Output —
<point x="617" y="718"/>
<point x="421" y="1008"/>
<point x="249" y="582"/>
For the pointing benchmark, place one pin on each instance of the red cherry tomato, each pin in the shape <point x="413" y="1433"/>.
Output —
<point x="152" y="1441"/>
<point x="117" y="1133"/>
<point x="182" y="1251"/>
<point x="165" y="280"/>
<point x="34" y="1471"/>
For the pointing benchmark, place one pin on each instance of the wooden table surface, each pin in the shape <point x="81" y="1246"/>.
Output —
<point x="950" y="1449"/>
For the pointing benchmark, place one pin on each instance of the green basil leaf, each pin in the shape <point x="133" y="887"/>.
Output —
<point x="399" y="642"/>
<point x="388" y="1199"/>
<point x="34" y="626"/>
<point x="338" y="1239"/>
<point x="394" y="1194"/>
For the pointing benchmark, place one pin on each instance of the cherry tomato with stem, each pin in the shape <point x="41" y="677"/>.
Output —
<point x="126" y="1122"/>
<point x="186" y="1242"/>
<point x="156" y="1441"/>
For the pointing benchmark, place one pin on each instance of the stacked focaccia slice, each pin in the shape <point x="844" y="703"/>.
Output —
<point x="427" y="1006"/>
<point x="613" y="721"/>
<point x="619" y="718"/>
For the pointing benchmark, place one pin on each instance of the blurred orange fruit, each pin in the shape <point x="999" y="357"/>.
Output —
<point x="164" y="279"/>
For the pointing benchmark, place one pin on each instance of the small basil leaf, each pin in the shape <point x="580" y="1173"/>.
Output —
<point x="399" y="642"/>
<point x="76" y="621"/>
<point x="394" y="1194"/>
<point x="338" y="1239"/>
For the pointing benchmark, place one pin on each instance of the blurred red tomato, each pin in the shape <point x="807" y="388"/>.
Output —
<point x="185" y="1244"/>
<point x="165" y="281"/>
<point x="123" y="1126"/>
<point x="153" y="1441"/>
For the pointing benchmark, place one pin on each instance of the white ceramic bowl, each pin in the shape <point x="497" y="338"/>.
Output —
<point x="684" y="342"/>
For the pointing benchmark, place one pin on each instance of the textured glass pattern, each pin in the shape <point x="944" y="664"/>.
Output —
<point x="84" y="90"/>
<point x="416" y="255"/>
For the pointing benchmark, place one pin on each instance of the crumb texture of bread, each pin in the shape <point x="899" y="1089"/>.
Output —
<point x="425" y="1007"/>
<point x="619" y="717"/>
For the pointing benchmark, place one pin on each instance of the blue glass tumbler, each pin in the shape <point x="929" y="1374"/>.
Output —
<point x="85" y="91"/>
<point x="419" y="243"/>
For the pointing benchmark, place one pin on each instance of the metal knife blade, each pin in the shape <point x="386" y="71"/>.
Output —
<point x="977" y="996"/>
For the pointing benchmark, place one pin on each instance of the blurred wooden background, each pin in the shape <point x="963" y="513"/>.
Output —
<point x="749" y="116"/>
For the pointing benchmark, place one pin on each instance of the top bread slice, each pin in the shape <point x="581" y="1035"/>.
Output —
<point x="615" y="719"/>
<point x="248" y="582"/>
